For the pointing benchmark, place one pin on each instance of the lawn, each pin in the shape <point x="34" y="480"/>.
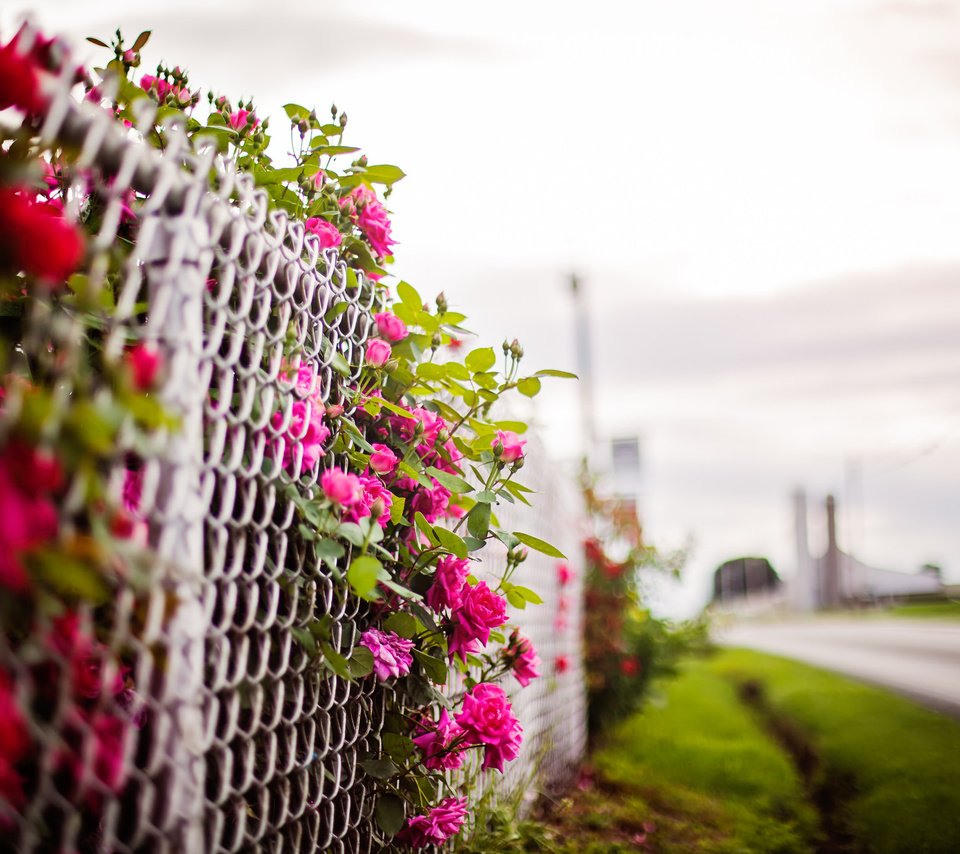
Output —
<point x="904" y="761"/>
<point x="700" y="772"/>
<point x="696" y="772"/>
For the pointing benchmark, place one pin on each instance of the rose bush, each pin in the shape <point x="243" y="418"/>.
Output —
<point x="406" y="486"/>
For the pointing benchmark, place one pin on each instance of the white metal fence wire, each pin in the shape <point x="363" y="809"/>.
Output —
<point x="244" y="744"/>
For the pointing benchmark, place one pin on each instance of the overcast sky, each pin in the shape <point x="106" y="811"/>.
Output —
<point x="762" y="198"/>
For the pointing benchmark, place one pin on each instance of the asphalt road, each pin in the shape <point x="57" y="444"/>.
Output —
<point x="918" y="658"/>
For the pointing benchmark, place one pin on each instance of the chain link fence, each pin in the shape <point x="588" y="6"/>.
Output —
<point x="234" y="739"/>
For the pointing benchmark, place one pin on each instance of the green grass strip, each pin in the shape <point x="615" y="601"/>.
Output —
<point x="903" y="759"/>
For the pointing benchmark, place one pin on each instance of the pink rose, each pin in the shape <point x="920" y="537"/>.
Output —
<point x="378" y="352"/>
<point x="523" y="658"/>
<point x="372" y="219"/>
<point x="561" y="664"/>
<point x="437" y="826"/>
<point x="325" y="231"/>
<point x="487" y="718"/>
<point x="14" y="743"/>
<point x="391" y="653"/>
<point x="306" y="430"/>
<point x="390" y="326"/>
<point x="341" y="488"/>
<point x="375" y="495"/>
<point x="435" y="742"/>
<point x="480" y="611"/>
<point x="564" y="574"/>
<point x="448" y="583"/>
<point x="241" y="118"/>
<point x="29" y="517"/>
<point x="512" y="445"/>
<point x="383" y="460"/>
<point x="431" y="502"/>
<point x="145" y="363"/>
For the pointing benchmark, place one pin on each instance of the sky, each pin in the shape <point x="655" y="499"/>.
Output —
<point x="761" y="199"/>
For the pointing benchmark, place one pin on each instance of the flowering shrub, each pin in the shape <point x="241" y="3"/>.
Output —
<point x="397" y="500"/>
<point x="624" y="644"/>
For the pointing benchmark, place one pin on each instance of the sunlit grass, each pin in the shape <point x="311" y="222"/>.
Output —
<point x="904" y="760"/>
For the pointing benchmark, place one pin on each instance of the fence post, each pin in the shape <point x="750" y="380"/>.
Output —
<point x="174" y="248"/>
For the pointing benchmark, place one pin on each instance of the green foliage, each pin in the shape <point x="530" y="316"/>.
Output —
<point x="906" y="794"/>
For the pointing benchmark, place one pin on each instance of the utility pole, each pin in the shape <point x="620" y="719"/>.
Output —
<point x="581" y="321"/>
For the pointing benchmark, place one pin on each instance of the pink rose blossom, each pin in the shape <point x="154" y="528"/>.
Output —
<point x="512" y="445"/>
<point x="487" y="718"/>
<point x="325" y="231"/>
<point x="564" y="574"/>
<point x="523" y="658"/>
<point x="372" y="219"/>
<point x="435" y="742"/>
<point x="307" y="431"/>
<point x="561" y="664"/>
<point x="437" y="826"/>
<point x="29" y="517"/>
<point x="432" y="503"/>
<point x="378" y="352"/>
<point x="481" y="609"/>
<point x="14" y="743"/>
<point x="241" y="118"/>
<point x="383" y="460"/>
<point x="341" y="488"/>
<point x="144" y="362"/>
<point x="390" y="326"/>
<point x="373" y="491"/>
<point x="391" y="653"/>
<point x="448" y="583"/>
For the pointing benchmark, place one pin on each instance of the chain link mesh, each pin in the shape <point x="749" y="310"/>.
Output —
<point x="234" y="740"/>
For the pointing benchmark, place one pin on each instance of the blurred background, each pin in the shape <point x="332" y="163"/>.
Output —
<point x="761" y="203"/>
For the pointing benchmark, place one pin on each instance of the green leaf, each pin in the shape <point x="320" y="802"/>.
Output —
<point x="550" y="372"/>
<point x="97" y="42"/>
<point x="68" y="576"/>
<point x="142" y="39"/>
<point x="306" y="639"/>
<point x="431" y="372"/>
<point x="426" y="528"/>
<point x="398" y="747"/>
<point x="515" y="598"/>
<point x="511" y="487"/>
<point x="384" y="173"/>
<point x="529" y="386"/>
<point x="528" y="594"/>
<point x="361" y="662"/>
<point x="390" y="814"/>
<point x="474" y="544"/>
<point x="485" y="497"/>
<point x="481" y="359"/>
<point x="539" y="545"/>
<point x="397" y="508"/>
<point x="333" y="150"/>
<point x="363" y="574"/>
<point x="450" y="481"/>
<point x="451" y="542"/>
<point x="512" y="426"/>
<point x="409" y="296"/>
<point x="295" y="112"/>
<point x="329" y="551"/>
<point x="435" y="668"/>
<point x="352" y="533"/>
<point x="401" y="623"/>
<point x="478" y="521"/>
<point x="335" y="661"/>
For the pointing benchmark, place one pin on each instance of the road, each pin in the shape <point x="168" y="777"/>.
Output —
<point x="918" y="658"/>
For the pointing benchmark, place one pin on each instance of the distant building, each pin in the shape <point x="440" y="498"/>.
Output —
<point x="836" y="578"/>
<point x="744" y="584"/>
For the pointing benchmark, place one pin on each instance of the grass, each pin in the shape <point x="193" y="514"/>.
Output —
<point x="947" y="610"/>
<point x="695" y="774"/>
<point x="904" y="761"/>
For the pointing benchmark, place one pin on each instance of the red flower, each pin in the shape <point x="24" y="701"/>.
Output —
<point x="630" y="666"/>
<point x="145" y="363"/>
<point x="36" y="239"/>
<point x="19" y="82"/>
<point x="28" y="518"/>
<point x="14" y="743"/>
<point x="561" y="664"/>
